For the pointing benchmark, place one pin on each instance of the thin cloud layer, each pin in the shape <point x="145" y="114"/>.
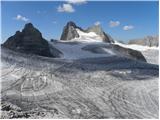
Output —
<point x="114" y="23"/>
<point x="128" y="27"/>
<point x="68" y="8"/>
<point x="21" y="18"/>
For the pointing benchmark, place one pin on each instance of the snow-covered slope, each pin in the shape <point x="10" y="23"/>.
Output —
<point x="88" y="37"/>
<point x="73" y="49"/>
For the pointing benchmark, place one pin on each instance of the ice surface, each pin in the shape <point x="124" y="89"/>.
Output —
<point x="81" y="84"/>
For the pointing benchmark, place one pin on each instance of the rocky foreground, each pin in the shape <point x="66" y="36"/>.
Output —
<point x="102" y="87"/>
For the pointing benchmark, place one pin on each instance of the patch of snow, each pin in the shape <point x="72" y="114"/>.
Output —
<point x="87" y="37"/>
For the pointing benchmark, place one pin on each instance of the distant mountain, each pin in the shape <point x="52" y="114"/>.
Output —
<point x="72" y="31"/>
<point x="147" y="41"/>
<point x="29" y="41"/>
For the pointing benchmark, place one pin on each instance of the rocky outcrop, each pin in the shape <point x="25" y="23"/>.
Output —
<point x="29" y="41"/>
<point x="99" y="31"/>
<point x="147" y="41"/>
<point x="130" y="53"/>
<point x="116" y="50"/>
<point x="70" y="32"/>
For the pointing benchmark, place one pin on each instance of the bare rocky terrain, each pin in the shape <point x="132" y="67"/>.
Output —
<point x="101" y="87"/>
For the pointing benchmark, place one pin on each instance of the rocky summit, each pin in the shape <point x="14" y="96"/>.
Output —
<point x="28" y="41"/>
<point x="69" y="31"/>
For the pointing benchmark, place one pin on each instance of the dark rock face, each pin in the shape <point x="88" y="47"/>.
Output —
<point x="29" y="41"/>
<point x="70" y="32"/>
<point x="130" y="53"/>
<point x="147" y="41"/>
<point x="99" y="31"/>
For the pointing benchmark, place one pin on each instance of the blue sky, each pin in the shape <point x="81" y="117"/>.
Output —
<point x="122" y="20"/>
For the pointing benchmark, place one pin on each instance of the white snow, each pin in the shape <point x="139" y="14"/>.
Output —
<point x="87" y="37"/>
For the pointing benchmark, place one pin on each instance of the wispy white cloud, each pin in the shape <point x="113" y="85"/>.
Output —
<point x="77" y="2"/>
<point x="97" y="23"/>
<point x="114" y="23"/>
<point x="128" y="27"/>
<point x="21" y="18"/>
<point x="66" y="8"/>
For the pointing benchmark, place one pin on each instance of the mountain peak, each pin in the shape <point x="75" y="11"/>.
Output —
<point x="69" y="31"/>
<point x="28" y="25"/>
<point x="71" y="23"/>
<point x="29" y="41"/>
